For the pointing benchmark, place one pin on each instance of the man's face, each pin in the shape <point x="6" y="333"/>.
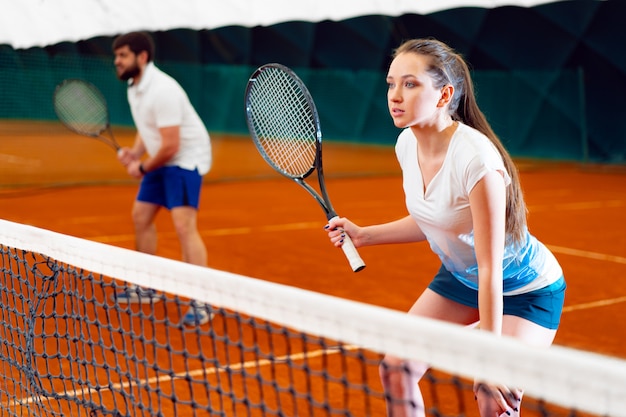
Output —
<point x="126" y="63"/>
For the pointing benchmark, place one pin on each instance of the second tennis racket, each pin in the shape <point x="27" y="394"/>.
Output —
<point x="81" y="107"/>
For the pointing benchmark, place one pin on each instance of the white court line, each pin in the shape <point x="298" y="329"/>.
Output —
<point x="588" y="205"/>
<point x="595" y="256"/>
<point x="313" y="225"/>
<point x="219" y="232"/>
<point x="186" y="374"/>
<point x="587" y="254"/>
<point x="17" y="160"/>
<point x="594" y="304"/>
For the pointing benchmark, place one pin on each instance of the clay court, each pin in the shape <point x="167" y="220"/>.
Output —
<point x="257" y="223"/>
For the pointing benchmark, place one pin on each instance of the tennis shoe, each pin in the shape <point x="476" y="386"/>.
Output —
<point x="136" y="295"/>
<point x="197" y="316"/>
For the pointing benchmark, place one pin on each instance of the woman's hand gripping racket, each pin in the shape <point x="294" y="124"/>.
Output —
<point x="284" y="124"/>
<point x="81" y="107"/>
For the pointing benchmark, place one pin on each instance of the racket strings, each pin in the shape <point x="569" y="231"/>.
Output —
<point x="284" y="123"/>
<point x="81" y="107"/>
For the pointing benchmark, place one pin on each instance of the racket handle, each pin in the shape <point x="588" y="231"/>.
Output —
<point x="352" y="254"/>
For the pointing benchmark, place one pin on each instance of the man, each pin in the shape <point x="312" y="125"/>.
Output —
<point x="178" y="150"/>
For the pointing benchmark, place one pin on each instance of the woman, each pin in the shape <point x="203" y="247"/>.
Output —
<point x="464" y="197"/>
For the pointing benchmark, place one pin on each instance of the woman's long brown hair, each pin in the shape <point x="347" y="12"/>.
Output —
<point x="447" y="67"/>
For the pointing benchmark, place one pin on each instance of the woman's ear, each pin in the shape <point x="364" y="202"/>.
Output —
<point x="446" y="95"/>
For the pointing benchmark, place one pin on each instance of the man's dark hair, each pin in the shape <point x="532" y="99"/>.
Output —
<point x="137" y="42"/>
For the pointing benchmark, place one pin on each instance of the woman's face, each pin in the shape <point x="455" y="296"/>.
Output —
<point x="411" y="96"/>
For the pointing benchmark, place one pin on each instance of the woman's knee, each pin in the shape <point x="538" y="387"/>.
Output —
<point x="392" y="368"/>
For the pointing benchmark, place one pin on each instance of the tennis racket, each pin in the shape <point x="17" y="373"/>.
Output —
<point x="82" y="108"/>
<point x="285" y="127"/>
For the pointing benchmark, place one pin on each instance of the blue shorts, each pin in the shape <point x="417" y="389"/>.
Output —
<point x="171" y="186"/>
<point x="543" y="306"/>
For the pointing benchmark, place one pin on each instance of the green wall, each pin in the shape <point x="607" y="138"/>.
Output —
<point x="549" y="78"/>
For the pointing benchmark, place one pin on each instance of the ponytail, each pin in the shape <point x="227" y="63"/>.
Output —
<point x="515" y="206"/>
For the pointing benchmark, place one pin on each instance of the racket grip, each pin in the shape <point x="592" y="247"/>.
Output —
<point x="352" y="254"/>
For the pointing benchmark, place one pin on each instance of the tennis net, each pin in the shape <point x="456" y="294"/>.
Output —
<point x="68" y="348"/>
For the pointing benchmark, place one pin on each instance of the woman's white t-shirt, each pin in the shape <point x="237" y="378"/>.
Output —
<point x="442" y="211"/>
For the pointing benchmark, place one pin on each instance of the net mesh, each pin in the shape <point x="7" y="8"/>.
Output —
<point x="69" y="348"/>
<point x="282" y="120"/>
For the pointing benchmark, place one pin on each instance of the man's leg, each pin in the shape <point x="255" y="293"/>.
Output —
<point x="193" y="252"/>
<point x="191" y="243"/>
<point x="143" y="215"/>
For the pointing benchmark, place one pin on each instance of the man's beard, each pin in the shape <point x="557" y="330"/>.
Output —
<point x="129" y="73"/>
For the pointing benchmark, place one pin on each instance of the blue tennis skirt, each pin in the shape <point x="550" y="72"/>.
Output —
<point x="543" y="306"/>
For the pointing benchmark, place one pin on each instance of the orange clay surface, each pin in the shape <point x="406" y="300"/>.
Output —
<point x="257" y="223"/>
